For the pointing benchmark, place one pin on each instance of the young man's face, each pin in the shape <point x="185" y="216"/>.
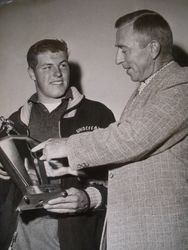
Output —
<point x="135" y="59"/>
<point x="51" y="75"/>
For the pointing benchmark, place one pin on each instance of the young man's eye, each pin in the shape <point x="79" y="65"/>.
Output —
<point x="63" y="65"/>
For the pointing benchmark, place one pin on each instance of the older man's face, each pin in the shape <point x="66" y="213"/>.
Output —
<point x="135" y="59"/>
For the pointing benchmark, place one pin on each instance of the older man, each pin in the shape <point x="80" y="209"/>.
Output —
<point x="148" y="188"/>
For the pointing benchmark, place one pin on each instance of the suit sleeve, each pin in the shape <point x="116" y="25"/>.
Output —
<point x="98" y="179"/>
<point x="160" y="124"/>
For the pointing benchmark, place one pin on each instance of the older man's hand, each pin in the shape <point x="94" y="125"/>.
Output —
<point x="53" y="148"/>
<point x="55" y="168"/>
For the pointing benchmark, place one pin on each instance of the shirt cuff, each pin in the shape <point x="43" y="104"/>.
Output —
<point x="95" y="197"/>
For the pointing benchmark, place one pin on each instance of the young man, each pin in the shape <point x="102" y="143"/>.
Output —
<point x="147" y="190"/>
<point x="58" y="110"/>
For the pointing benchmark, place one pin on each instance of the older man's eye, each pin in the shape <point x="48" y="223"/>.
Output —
<point x="47" y="67"/>
<point x="124" y="52"/>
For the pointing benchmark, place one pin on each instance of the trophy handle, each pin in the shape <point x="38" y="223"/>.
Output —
<point x="39" y="167"/>
<point x="12" y="155"/>
<point x="14" y="150"/>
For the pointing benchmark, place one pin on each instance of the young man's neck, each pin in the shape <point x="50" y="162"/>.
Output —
<point x="49" y="100"/>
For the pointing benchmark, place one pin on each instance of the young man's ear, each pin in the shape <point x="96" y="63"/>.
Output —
<point x="155" y="48"/>
<point x="31" y="74"/>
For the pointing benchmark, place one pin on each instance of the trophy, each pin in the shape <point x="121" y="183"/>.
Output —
<point x="25" y="168"/>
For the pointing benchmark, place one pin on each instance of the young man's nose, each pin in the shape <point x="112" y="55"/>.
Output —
<point x="119" y="56"/>
<point x="57" y="72"/>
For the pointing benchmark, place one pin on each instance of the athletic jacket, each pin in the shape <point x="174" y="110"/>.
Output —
<point x="78" y="231"/>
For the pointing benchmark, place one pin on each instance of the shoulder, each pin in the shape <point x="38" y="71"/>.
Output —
<point x="176" y="74"/>
<point x="96" y="107"/>
<point x="91" y="104"/>
<point x="15" y="116"/>
<point x="172" y="81"/>
<point x="18" y="124"/>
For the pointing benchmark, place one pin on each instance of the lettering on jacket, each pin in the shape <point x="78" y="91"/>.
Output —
<point x="86" y="128"/>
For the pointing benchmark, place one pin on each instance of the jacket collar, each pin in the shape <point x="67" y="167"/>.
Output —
<point x="74" y="99"/>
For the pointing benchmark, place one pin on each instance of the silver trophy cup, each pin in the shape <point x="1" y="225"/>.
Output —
<point x="25" y="168"/>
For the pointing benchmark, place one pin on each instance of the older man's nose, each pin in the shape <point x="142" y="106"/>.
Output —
<point x="119" y="56"/>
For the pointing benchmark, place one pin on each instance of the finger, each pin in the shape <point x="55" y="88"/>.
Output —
<point x="55" y="164"/>
<point x="43" y="158"/>
<point x="71" y="206"/>
<point x="60" y="210"/>
<point x="62" y="204"/>
<point x="75" y="172"/>
<point x="4" y="173"/>
<point x="58" y="196"/>
<point x="55" y="168"/>
<point x="51" y="172"/>
<point x="38" y="147"/>
<point x="59" y="200"/>
<point x="4" y="177"/>
<point x="71" y="191"/>
<point x="56" y="172"/>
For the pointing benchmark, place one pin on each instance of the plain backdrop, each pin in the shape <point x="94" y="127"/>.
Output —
<point x="88" y="28"/>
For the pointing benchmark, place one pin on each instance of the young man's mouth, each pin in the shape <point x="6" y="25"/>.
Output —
<point x="57" y="82"/>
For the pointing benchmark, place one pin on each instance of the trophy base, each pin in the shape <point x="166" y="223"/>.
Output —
<point x="37" y="196"/>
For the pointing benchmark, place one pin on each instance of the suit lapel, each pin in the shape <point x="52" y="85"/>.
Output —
<point x="137" y="101"/>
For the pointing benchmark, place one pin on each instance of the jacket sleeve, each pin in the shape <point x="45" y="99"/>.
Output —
<point x="97" y="180"/>
<point x="159" y="125"/>
<point x="98" y="196"/>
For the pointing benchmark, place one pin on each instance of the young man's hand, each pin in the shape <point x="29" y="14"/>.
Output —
<point x="3" y="174"/>
<point x="76" y="201"/>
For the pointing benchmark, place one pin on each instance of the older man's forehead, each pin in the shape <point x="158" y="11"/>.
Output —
<point x="125" y="36"/>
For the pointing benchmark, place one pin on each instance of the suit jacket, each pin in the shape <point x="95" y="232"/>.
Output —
<point x="148" y="182"/>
